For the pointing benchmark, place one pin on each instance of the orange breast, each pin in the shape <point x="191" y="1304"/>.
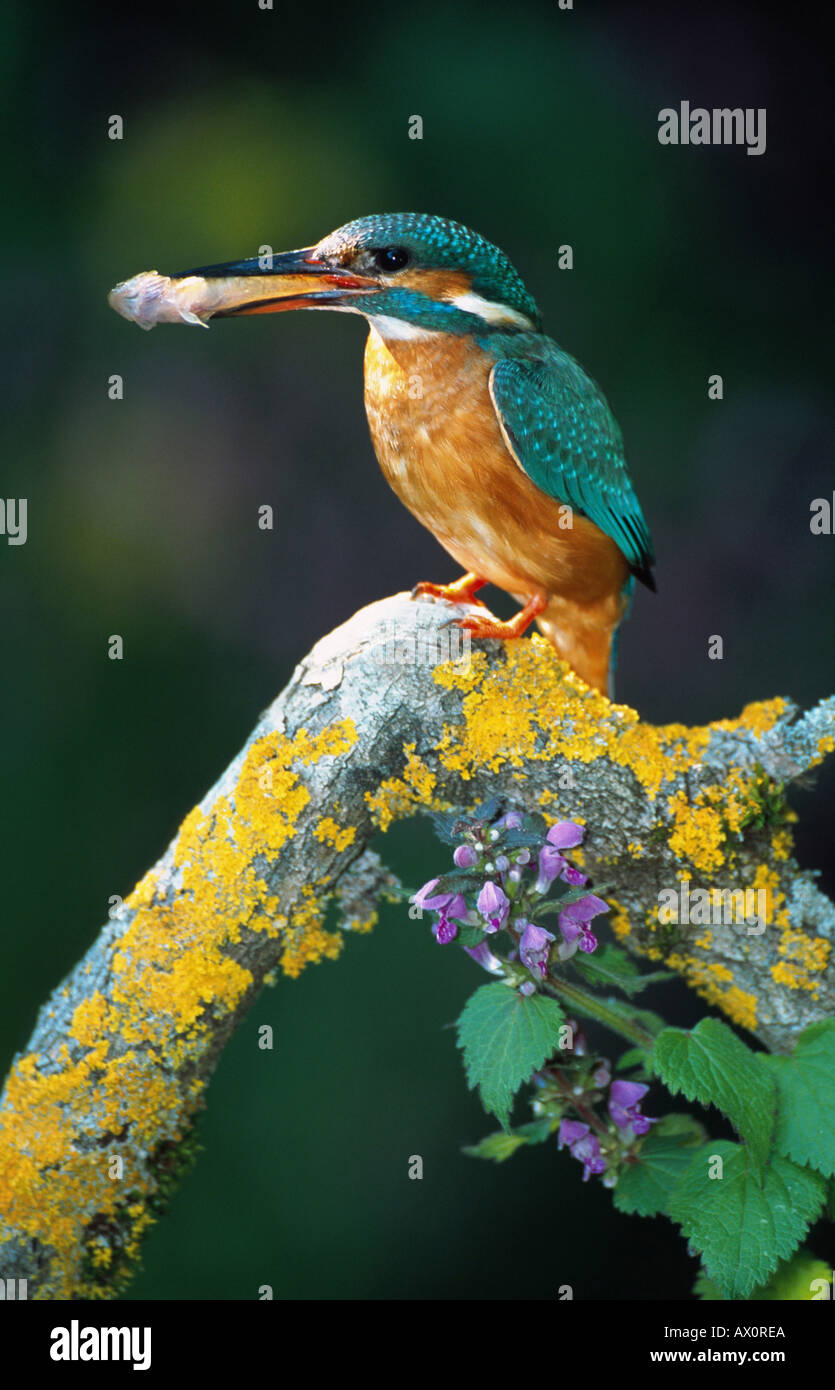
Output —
<point x="439" y="445"/>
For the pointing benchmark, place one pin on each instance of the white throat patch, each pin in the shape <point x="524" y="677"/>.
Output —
<point x="491" y="312"/>
<point x="389" y="327"/>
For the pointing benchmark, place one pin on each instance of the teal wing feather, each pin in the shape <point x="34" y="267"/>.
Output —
<point x="561" y="432"/>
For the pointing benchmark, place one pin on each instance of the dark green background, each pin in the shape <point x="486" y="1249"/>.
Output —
<point x="245" y="127"/>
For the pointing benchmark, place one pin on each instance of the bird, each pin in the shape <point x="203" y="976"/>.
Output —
<point x="492" y="435"/>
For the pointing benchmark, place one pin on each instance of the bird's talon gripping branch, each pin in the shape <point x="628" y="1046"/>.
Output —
<point x="516" y="626"/>
<point x="462" y="590"/>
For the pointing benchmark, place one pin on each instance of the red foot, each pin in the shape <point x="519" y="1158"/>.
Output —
<point x="515" y="627"/>
<point x="462" y="591"/>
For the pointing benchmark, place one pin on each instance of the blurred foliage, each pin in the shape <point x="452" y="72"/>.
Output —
<point x="244" y="127"/>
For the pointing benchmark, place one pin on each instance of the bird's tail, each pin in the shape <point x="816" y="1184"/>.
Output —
<point x="587" y="637"/>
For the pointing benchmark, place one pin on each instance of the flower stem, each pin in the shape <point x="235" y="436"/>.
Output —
<point x="580" y="1104"/>
<point x="593" y="1007"/>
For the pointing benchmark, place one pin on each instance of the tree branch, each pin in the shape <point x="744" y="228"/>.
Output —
<point x="377" y="724"/>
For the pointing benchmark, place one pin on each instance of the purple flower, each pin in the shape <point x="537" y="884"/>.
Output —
<point x="576" y="936"/>
<point x="534" y="947"/>
<point x="601" y="1076"/>
<point x="584" y="1146"/>
<point x="570" y="1132"/>
<point x="587" y="907"/>
<point x="465" y="857"/>
<point x="574" y="924"/>
<point x="512" y="821"/>
<point x="448" y="904"/>
<point x="624" y="1106"/>
<point x="565" y="834"/>
<point x="484" y="956"/>
<point x="527" y="988"/>
<point x="494" y="905"/>
<point x="422" y="895"/>
<point x="551" y="865"/>
<point x="588" y="1153"/>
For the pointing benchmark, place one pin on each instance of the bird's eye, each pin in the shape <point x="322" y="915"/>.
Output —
<point x="391" y="258"/>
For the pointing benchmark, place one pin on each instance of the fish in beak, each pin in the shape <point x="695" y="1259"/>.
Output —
<point x="264" y="285"/>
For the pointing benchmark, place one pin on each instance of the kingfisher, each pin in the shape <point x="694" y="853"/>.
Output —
<point x="494" y="437"/>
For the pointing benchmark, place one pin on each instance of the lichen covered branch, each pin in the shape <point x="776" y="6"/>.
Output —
<point x="374" y="726"/>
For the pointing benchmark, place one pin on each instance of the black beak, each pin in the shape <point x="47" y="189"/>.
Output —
<point x="276" y="281"/>
<point x="264" y="285"/>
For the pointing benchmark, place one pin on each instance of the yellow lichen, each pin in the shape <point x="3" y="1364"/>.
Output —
<point x="618" y="918"/>
<point x="708" y="979"/>
<point x="737" y="796"/>
<point x="826" y="744"/>
<point x="306" y="939"/>
<point x="88" y="1019"/>
<point x="363" y="924"/>
<point x="532" y="707"/>
<point x="767" y="882"/>
<point x="397" y="797"/>
<point x="170" y="965"/>
<point x="756" y="718"/>
<point x="803" y="960"/>
<point x="697" y="834"/>
<point x="328" y="832"/>
<point x="740" y="1007"/>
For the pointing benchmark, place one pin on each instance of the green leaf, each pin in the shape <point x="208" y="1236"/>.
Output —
<point x="683" y="1126"/>
<point x="798" y="1280"/>
<point x="705" y="1289"/>
<point x="489" y="810"/>
<point x="645" y="1186"/>
<point x="711" y="1065"/>
<point x="498" y="1146"/>
<point x="503" y="1143"/>
<point x="451" y="826"/>
<point x="743" y="1229"/>
<point x="570" y="895"/>
<point x="806" y="1092"/>
<point x="448" y="828"/>
<point x="614" y="968"/>
<point x="537" y="1131"/>
<point x="456" y="881"/>
<point x="470" y="936"/>
<point x="632" y="1058"/>
<point x="505" y="1037"/>
<point x="530" y="834"/>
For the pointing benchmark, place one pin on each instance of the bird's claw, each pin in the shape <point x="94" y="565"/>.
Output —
<point x="461" y="591"/>
<point x="487" y="626"/>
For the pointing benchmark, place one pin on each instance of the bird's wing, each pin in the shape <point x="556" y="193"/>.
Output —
<point x="560" y="430"/>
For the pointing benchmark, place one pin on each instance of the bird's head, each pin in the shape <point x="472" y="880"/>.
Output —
<point x="409" y="272"/>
